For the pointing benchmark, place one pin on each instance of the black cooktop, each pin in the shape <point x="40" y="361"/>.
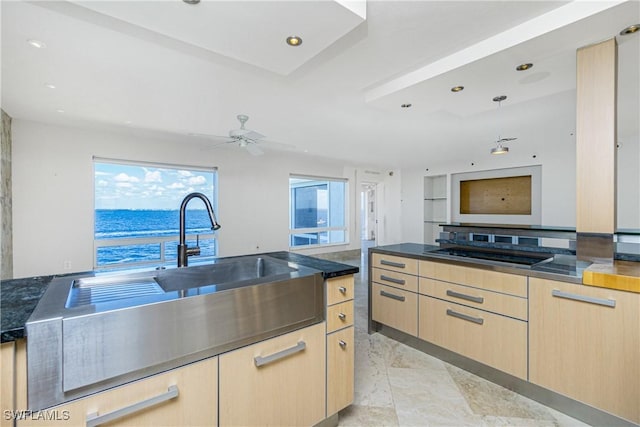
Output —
<point x="511" y="257"/>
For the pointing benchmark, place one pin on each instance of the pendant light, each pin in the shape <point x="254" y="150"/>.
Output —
<point x="500" y="148"/>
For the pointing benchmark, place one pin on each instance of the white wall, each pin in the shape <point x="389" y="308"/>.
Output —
<point x="558" y="185"/>
<point x="53" y="193"/>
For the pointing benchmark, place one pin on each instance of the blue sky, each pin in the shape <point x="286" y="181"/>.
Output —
<point x="147" y="187"/>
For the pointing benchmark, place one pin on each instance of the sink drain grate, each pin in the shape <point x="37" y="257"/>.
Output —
<point x="86" y="292"/>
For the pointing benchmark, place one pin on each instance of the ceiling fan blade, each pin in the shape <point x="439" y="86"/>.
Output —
<point x="253" y="135"/>
<point x="254" y="149"/>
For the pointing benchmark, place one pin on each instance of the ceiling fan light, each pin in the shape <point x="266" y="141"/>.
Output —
<point x="500" y="150"/>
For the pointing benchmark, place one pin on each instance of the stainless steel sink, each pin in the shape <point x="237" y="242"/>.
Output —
<point x="225" y="276"/>
<point x="89" y="333"/>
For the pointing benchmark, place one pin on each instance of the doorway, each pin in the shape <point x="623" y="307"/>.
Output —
<point x="368" y="215"/>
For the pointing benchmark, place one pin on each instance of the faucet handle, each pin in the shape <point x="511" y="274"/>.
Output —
<point x="193" y="251"/>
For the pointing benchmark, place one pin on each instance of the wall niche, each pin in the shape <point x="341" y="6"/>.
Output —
<point x="496" y="196"/>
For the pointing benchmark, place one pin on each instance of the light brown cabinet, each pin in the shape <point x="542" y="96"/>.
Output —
<point x="475" y="277"/>
<point x="492" y="339"/>
<point x="584" y="343"/>
<point x="395" y="263"/>
<point x="278" y="382"/>
<point x="482" y="299"/>
<point x="184" y="396"/>
<point x="340" y="343"/>
<point x="394" y="287"/>
<point x="340" y="369"/>
<point x="477" y="313"/>
<point x="395" y="307"/>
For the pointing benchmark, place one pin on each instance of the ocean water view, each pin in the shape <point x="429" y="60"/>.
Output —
<point x="145" y="224"/>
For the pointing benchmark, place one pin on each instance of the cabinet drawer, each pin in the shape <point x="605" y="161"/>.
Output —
<point x="397" y="280"/>
<point x="194" y="405"/>
<point x="395" y="308"/>
<point x="476" y="277"/>
<point x="339" y="289"/>
<point x="340" y="370"/>
<point x="507" y="305"/>
<point x="494" y="340"/>
<point x="340" y="316"/>
<point x="395" y="263"/>
<point x="250" y="376"/>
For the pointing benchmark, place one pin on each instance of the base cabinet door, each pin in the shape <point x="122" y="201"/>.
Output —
<point x="340" y="369"/>
<point x="395" y="307"/>
<point x="584" y="343"/>
<point x="492" y="339"/>
<point x="184" y="396"/>
<point x="277" y="382"/>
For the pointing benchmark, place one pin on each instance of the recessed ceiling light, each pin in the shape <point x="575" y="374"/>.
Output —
<point x="457" y="88"/>
<point x="405" y="106"/>
<point x="127" y="122"/>
<point x="630" y="30"/>
<point x="294" y="41"/>
<point x="37" y="43"/>
<point x="50" y="86"/>
<point x="59" y="111"/>
<point x="524" y="67"/>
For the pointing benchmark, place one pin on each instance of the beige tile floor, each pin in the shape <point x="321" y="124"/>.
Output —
<point x="396" y="385"/>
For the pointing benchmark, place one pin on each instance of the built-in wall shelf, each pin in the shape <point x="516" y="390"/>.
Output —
<point x="435" y="206"/>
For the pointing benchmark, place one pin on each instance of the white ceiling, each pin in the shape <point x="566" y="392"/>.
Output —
<point x="165" y="67"/>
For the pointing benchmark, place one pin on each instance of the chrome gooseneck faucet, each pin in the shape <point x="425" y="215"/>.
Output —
<point x="184" y="252"/>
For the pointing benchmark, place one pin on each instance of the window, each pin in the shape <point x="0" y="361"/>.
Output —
<point x="317" y="209"/>
<point x="137" y="212"/>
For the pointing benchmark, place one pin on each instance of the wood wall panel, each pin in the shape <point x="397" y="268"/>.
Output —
<point x="596" y="138"/>
<point x="496" y="196"/>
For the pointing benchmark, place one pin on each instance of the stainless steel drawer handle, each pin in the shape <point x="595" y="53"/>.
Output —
<point x="393" y="264"/>
<point x="95" y="420"/>
<point x="583" y="298"/>
<point x="342" y="316"/>
<point x="466" y="317"/>
<point x="342" y="344"/>
<point x="342" y="290"/>
<point x="392" y="279"/>
<point x="455" y="294"/>
<point x="261" y="361"/>
<point x="392" y="296"/>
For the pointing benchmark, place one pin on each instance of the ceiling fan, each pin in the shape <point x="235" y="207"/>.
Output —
<point x="248" y="139"/>
<point x="245" y="138"/>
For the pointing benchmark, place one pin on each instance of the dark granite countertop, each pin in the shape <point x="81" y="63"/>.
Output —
<point x="19" y="297"/>
<point x="564" y="271"/>
<point x="329" y="268"/>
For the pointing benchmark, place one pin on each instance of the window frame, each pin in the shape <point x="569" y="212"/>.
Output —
<point x="160" y="240"/>
<point x="344" y="228"/>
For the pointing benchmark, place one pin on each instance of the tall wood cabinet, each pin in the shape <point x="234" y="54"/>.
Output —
<point x="584" y="343"/>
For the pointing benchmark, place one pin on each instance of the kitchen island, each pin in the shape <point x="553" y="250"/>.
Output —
<point x="536" y="329"/>
<point x="313" y="364"/>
